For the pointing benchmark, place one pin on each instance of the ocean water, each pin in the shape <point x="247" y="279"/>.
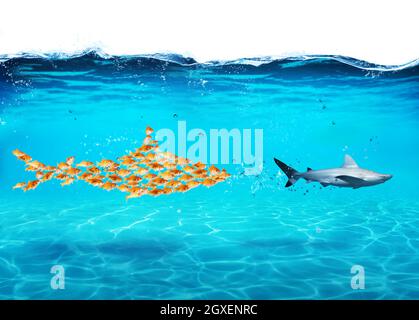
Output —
<point x="246" y="238"/>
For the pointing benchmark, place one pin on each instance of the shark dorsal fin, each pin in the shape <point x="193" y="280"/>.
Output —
<point x="309" y="169"/>
<point x="349" y="162"/>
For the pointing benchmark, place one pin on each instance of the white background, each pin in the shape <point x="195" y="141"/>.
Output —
<point x="383" y="32"/>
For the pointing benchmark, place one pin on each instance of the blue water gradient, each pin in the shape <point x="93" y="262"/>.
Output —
<point x="248" y="238"/>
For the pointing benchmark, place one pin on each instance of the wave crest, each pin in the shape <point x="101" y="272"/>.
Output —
<point x="179" y="60"/>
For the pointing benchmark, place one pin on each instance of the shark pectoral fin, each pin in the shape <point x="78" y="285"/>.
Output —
<point x="350" y="180"/>
<point x="324" y="184"/>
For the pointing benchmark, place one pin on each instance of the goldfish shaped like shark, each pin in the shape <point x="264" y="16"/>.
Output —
<point x="145" y="171"/>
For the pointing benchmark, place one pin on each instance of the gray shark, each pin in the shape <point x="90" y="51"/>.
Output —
<point x="350" y="175"/>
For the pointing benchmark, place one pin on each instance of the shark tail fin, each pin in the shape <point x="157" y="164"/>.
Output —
<point x="291" y="173"/>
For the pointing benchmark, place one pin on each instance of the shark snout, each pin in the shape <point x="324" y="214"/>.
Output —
<point x="386" y="177"/>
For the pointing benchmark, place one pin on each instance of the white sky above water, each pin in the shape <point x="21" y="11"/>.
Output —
<point x="384" y="32"/>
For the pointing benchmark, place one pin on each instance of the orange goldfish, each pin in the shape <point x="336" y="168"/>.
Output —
<point x="86" y="175"/>
<point x="63" y="165"/>
<point x="109" y="186"/>
<point x="115" y="178"/>
<point x="141" y="171"/>
<point x="150" y="176"/>
<point x="199" y="165"/>
<point x="123" y="172"/>
<point x="31" y="185"/>
<point x="173" y="183"/>
<point x="159" y="180"/>
<point x="106" y="163"/>
<point x="192" y="184"/>
<point x="145" y="148"/>
<point x="182" y="188"/>
<point x="73" y="171"/>
<point x="85" y="164"/>
<point x="94" y="170"/>
<point x="185" y="177"/>
<point x="124" y="188"/>
<point x="61" y="176"/>
<point x="67" y="181"/>
<point x="156" y="166"/>
<point x="19" y="185"/>
<point x="213" y="170"/>
<point x="149" y="130"/>
<point x="70" y="161"/>
<point x="208" y="182"/>
<point x="47" y="176"/>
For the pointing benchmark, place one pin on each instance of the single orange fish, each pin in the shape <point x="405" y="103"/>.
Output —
<point x="192" y="184"/>
<point x="94" y="170"/>
<point x="167" y="190"/>
<point x="115" y="178"/>
<point x="36" y="164"/>
<point x="63" y="165"/>
<point x="18" y="153"/>
<point x="185" y="177"/>
<point x="159" y="180"/>
<point x="70" y="161"/>
<point x="105" y="163"/>
<point x="19" y="185"/>
<point x="31" y="168"/>
<point x="213" y="170"/>
<point x="61" y="176"/>
<point x="208" y="182"/>
<point x="123" y="172"/>
<point x="156" y="166"/>
<point x="199" y="165"/>
<point x="167" y="175"/>
<point x="169" y="165"/>
<point x="141" y="171"/>
<point x="149" y="130"/>
<point x="39" y="174"/>
<point x="182" y="188"/>
<point x="145" y="148"/>
<point x="150" y="176"/>
<point x="182" y="161"/>
<point x="31" y="185"/>
<point x="47" y="176"/>
<point x="173" y="183"/>
<point x="138" y="155"/>
<point x="112" y="168"/>
<point x="73" y="171"/>
<point x="133" y="178"/>
<point x="124" y="188"/>
<point x="200" y="172"/>
<point x="109" y="186"/>
<point x="85" y="164"/>
<point x="189" y="169"/>
<point x="155" y="192"/>
<point x="128" y="161"/>
<point x="176" y="172"/>
<point x="86" y="175"/>
<point x="25" y="158"/>
<point x="67" y="181"/>
<point x="95" y="182"/>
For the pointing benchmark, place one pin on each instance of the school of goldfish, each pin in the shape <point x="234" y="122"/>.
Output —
<point x="147" y="170"/>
